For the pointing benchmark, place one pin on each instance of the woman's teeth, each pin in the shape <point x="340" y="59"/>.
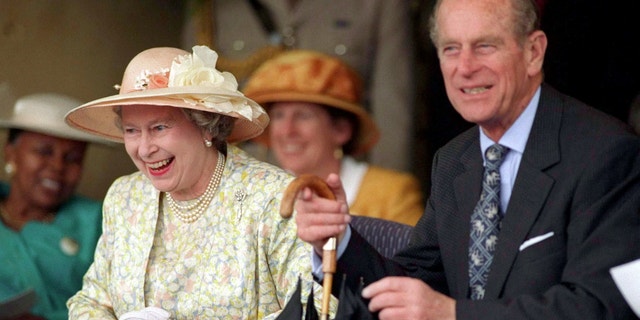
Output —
<point x="159" y="164"/>
<point x="51" y="184"/>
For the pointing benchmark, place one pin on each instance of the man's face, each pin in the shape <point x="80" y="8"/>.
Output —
<point x="489" y="75"/>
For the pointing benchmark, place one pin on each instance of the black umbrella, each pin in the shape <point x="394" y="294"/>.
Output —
<point x="312" y="313"/>
<point x="351" y="306"/>
<point x="293" y="309"/>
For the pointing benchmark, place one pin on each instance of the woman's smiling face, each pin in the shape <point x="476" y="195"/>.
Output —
<point x="304" y="137"/>
<point x="48" y="169"/>
<point x="168" y="148"/>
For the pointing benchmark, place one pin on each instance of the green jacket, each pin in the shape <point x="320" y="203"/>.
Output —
<point x="43" y="257"/>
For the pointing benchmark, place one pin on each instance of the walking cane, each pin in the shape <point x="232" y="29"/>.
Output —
<point x="318" y="186"/>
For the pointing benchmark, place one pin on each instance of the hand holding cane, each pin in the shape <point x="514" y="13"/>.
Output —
<point x="320" y="187"/>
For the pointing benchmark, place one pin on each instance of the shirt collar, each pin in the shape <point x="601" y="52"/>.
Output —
<point x="517" y="135"/>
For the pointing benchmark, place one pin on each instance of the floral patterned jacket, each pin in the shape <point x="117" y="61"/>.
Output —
<point x="244" y="265"/>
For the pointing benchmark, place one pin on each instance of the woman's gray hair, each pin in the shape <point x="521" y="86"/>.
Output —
<point x="220" y="126"/>
<point x="525" y="19"/>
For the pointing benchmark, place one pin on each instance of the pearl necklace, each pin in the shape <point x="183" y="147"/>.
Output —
<point x="186" y="213"/>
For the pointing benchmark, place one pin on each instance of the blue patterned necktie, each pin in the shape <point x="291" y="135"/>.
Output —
<point x="485" y="222"/>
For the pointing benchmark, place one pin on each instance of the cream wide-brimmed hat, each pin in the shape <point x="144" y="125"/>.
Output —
<point x="173" y="77"/>
<point x="43" y="113"/>
<point x="310" y="76"/>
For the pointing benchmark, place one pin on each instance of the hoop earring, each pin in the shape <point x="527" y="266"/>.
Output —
<point x="208" y="143"/>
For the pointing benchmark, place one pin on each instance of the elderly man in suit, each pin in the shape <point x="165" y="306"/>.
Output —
<point x="567" y="206"/>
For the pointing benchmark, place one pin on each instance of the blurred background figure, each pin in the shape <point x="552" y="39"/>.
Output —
<point x="48" y="233"/>
<point x="372" y="36"/>
<point x="318" y="126"/>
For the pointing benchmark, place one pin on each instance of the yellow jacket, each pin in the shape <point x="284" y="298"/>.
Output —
<point x="390" y="195"/>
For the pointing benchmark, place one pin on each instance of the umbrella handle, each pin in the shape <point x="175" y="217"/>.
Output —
<point x="310" y="181"/>
<point x="329" y="269"/>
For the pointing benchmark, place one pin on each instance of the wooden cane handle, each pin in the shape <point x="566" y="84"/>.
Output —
<point x="320" y="187"/>
<point x="313" y="182"/>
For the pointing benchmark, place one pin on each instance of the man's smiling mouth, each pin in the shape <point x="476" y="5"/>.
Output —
<point x="475" y="90"/>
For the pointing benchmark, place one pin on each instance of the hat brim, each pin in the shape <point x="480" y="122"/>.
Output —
<point x="367" y="135"/>
<point x="98" y="117"/>
<point x="59" y="131"/>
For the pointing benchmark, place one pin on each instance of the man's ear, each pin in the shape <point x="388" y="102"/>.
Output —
<point x="535" y="47"/>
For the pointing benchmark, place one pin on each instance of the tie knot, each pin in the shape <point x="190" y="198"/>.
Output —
<point x="495" y="154"/>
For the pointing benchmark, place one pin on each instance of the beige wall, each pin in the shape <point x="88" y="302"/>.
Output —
<point x="80" y="48"/>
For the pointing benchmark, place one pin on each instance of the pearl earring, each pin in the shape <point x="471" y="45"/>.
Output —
<point x="208" y="143"/>
<point x="9" y="168"/>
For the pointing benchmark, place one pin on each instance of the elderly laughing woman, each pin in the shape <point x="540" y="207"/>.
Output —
<point x="195" y="234"/>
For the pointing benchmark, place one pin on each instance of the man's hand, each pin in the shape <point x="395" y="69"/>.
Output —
<point x="319" y="219"/>
<point x="408" y="298"/>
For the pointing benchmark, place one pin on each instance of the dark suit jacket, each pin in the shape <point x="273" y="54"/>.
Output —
<point x="579" y="178"/>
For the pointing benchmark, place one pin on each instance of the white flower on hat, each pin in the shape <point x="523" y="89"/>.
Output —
<point x="199" y="69"/>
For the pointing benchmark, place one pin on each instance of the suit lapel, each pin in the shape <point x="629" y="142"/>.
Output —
<point x="531" y="189"/>
<point x="467" y="189"/>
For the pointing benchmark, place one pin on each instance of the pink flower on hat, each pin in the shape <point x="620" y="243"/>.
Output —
<point x="156" y="81"/>
<point x="152" y="80"/>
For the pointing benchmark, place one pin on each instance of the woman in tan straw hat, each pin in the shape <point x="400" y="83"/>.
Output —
<point x="319" y="126"/>
<point x="196" y="233"/>
<point x="48" y="232"/>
